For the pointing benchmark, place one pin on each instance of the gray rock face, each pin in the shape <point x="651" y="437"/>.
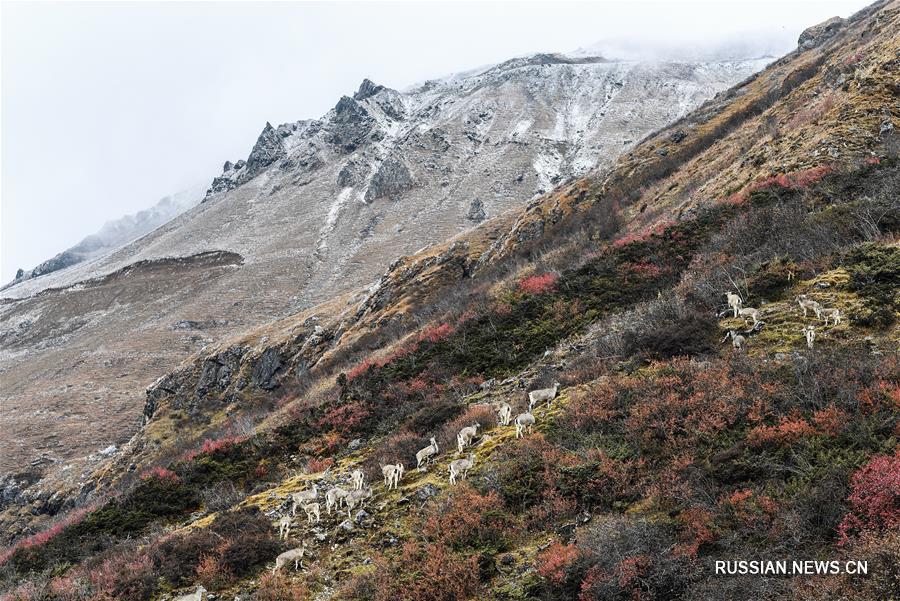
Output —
<point x="350" y="125"/>
<point x="476" y="211"/>
<point x="351" y="174"/>
<point x="265" y="369"/>
<point x="390" y="180"/>
<point x="267" y="150"/>
<point x="815" y="35"/>
<point x="218" y="370"/>
<point x="367" y="89"/>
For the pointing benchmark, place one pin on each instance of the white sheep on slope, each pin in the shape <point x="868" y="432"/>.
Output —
<point x="524" y="423"/>
<point x="543" y="394"/>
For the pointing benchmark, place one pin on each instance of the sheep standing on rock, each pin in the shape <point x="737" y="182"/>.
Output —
<point x="356" y="497"/>
<point x="333" y="498"/>
<point x="357" y="477"/>
<point x="295" y="555"/>
<point x="284" y="527"/>
<point x="504" y="414"/>
<point x="392" y="474"/>
<point x="807" y="304"/>
<point x="427" y="454"/>
<point x="524" y="423"/>
<point x="312" y="513"/>
<point x="304" y="496"/>
<point x="461" y="467"/>
<point x="734" y="302"/>
<point x="810" y="333"/>
<point x="543" y="394"/>
<point x="465" y="436"/>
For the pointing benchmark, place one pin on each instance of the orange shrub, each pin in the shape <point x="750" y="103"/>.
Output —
<point x="468" y="519"/>
<point x="212" y="574"/>
<point x="316" y="465"/>
<point x="280" y="587"/>
<point x="554" y="561"/>
<point x="422" y="572"/>
<point x="788" y="431"/>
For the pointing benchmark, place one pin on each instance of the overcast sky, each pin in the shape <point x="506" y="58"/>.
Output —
<point x="108" y="107"/>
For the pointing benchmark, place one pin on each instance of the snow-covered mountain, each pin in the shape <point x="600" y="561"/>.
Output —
<point x="317" y="210"/>
<point x="386" y="172"/>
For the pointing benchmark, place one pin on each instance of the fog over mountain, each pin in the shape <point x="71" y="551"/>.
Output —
<point x="155" y="97"/>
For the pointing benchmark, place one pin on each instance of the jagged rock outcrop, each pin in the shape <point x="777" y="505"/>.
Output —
<point x="267" y="150"/>
<point x="390" y="180"/>
<point x="815" y="35"/>
<point x="367" y="89"/>
<point x="350" y="125"/>
<point x="476" y="211"/>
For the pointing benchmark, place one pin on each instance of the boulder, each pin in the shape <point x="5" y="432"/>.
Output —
<point x="815" y="35"/>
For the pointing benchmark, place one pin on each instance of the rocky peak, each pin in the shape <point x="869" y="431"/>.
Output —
<point x="267" y="150"/>
<point x="367" y="89"/>
<point x="815" y="35"/>
<point x="350" y="124"/>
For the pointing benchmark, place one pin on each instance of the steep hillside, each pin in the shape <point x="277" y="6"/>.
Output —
<point x="682" y="434"/>
<point x="319" y="209"/>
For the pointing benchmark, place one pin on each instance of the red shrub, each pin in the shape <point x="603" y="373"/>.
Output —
<point x="221" y="445"/>
<point x="212" y="574"/>
<point x="643" y="270"/>
<point x="631" y="569"/>
<point x="128" y="577"/>
<point x="468" y="519"/>
<point x="874" y="498"/>
<point x="852" y="59"/>
<point x="751" y="510"/>
<point x="344" y="418"/>
<point x="160" y="473"/>
<point x="436" y="333"/>
<point x="798" y="180"/>
<point x="539" y="284"/>
<point x="589" y="409"/>
<point x="423" y="572"/>
<point x="696" y="530"/>
<point x="811" y="113"/>
<point x="830" y="420"/>
<point x="45" y="536"/>
<point x="554" y="561"/>
<point x="316" y="465"/>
